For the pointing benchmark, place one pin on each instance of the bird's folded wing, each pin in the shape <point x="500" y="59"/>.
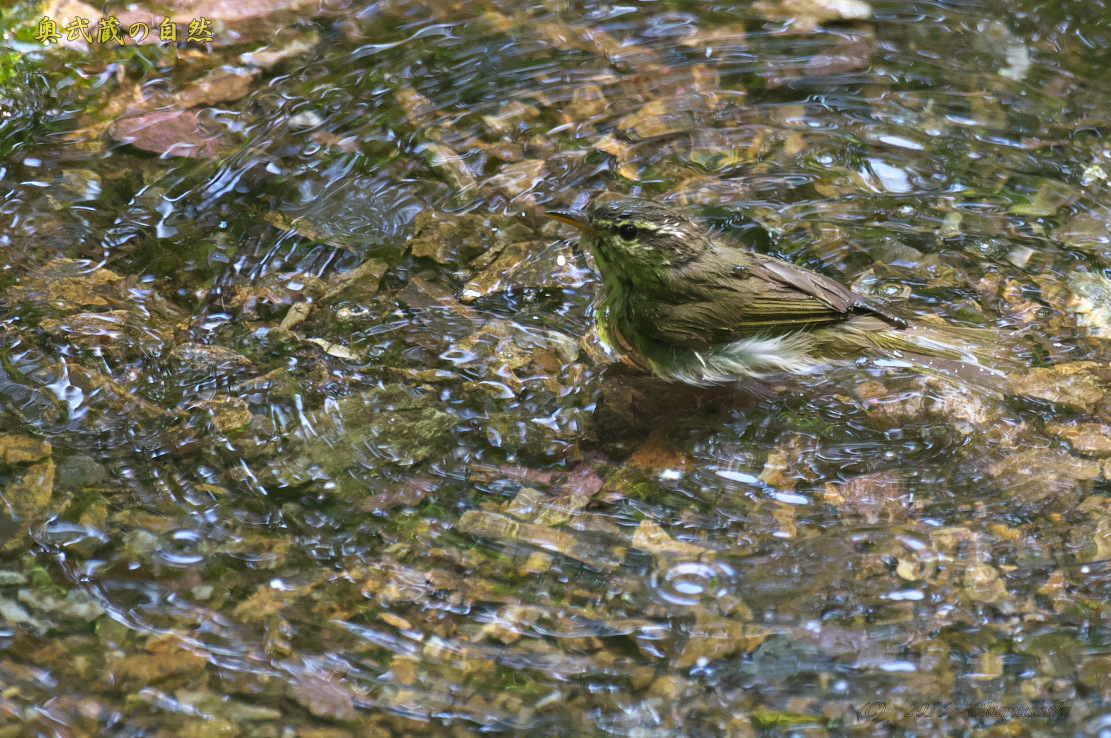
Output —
<point x="706" y="323"/>
<point x="835" y="296"/>
<point x="762" y="296"/>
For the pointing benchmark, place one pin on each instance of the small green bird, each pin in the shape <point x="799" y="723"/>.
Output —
<point x="683" y="303"/>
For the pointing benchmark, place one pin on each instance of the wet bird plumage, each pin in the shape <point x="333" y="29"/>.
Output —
<point x="691" y="306"/>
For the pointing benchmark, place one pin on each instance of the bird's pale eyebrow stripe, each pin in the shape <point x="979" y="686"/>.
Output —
<point x="668" y="230"/>
<point x="641" y="225"/>
<point x="628" y="221"/>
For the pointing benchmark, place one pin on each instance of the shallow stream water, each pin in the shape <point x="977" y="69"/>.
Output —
<point x="305" y="429"/>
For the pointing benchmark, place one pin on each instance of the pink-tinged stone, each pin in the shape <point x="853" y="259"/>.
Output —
<point x="169" y="132"/>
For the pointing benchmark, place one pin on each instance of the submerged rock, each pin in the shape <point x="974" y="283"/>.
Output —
<point x="68" y="285"/>
<point x="28" y="469"/>
<point x="1072" y="385"/>
<point x="169" y="132"/>
<point x="1091" y="302"/>
<point x="1090" y="439"/>
<point x="450" y="239"/>
<point x="385" y="425"/>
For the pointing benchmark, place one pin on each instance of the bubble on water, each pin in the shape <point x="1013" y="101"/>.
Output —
<point x="690" y="583"/>
<point x="72" y="535"/>
<point x="458" y="356"/>
<point x="182" y="550"/>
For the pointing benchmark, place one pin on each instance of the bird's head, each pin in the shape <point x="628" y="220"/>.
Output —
<point x="631" y="237"/>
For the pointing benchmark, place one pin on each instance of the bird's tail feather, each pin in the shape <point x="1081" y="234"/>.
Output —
<point x="974" y="355"/>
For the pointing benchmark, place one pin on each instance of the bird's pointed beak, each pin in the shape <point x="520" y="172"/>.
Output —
<point x="576" y="219"/>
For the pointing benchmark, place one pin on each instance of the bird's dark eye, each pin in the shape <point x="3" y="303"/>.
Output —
<point x="628" y="231"/>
